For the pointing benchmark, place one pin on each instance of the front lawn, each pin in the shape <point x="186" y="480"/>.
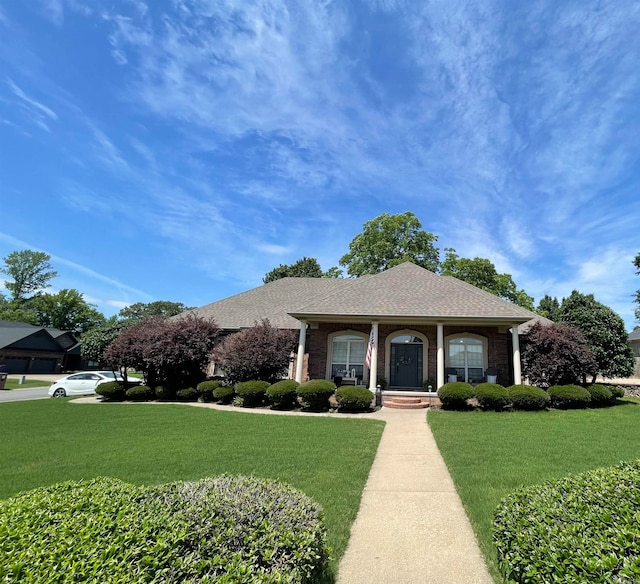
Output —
<point x="12" y="383"/>
<point x="491" y="454"/>
<point x="47" y="441"/>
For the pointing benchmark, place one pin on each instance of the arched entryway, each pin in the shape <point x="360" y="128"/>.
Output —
<point x="406" y="366"/>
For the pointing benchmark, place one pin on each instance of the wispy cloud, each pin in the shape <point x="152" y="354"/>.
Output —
<point x="38" y="113"/>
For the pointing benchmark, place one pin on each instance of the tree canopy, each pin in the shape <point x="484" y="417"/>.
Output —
<point x="482" y="273"/>
<point x="549" y="307"/>
<point x="138" y="311"/>
<point x="304" y="268"/>
<point x="389" y="240"/>
<point x="30" y="272"/>
<point x="66" y="310"/>
<point x="603" y="329"/>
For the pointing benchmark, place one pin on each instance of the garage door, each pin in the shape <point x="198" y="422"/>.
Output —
<point x="16" y="364"/>
<point x="43" y="365"/>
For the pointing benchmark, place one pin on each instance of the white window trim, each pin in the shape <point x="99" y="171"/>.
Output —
<point x="330" y="339"/>
<point x="485" y="347"/>
<point x="425" y="352"/>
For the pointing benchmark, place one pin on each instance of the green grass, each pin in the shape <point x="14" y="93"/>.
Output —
<point x="491" y="454"/>
<point x="44" y="442"/>
<point x="11" y="383"/>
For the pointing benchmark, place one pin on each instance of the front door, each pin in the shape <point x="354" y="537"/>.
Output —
<point x="406" y="365"/>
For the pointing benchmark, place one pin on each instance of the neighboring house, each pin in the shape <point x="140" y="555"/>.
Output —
<point x="634" y="341"/>
<point x="422" y="326"/>
<point x="25" y="348"/>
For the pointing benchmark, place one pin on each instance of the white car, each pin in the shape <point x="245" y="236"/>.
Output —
<point x="83" y="383"/>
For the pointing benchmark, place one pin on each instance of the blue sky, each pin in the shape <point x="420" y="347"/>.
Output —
<point x="178" y="150"/>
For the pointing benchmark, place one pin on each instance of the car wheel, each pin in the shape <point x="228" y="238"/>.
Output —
<point x="59" y="393"/>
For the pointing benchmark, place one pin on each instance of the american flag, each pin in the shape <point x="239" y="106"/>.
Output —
<point x="367" y="359"/>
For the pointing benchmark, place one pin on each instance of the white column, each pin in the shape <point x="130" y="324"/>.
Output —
<point x="517" y="370"/>
<point x="301" y="348"/>
<point x="373" y="371"/>
<point x="440" y="355"/>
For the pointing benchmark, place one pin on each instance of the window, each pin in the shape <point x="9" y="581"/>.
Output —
<point x="347" y="356"/>
<point x="467" y="357"/>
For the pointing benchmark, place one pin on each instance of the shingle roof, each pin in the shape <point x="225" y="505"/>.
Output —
<point x="635" y="335"/>
<point x="406" y="290"/>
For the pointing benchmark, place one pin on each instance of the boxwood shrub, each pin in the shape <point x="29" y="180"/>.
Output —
<point x="206" y="388"/>
<point x="492" y="396"/>
<point x="223" y="529"/>
<point x="282" y="394"/>
<point x="164" y="393"/>
<point x="454" y="395"/>
<point x="353" y="398"/>
<point x="315" y="394"/>
<point x="112" y="390"/>
<point x="569" y="396"/>
<point x="140" y="393"/>
<point x="528" y="397"/>
<point x="253" y="393"/>
<point x="224" y="394"/>
<point x="617" y="391"/>
<point x="601" y="395"/>
<point x="581" y="528"/>
<point x="188" y="394"/>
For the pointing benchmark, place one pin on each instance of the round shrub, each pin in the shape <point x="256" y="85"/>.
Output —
<point x="164" y="393"/>
<point x="581" y="528"/>
<point x="253" y="393"/>
<point x="231" y="529"/>
<point x="111" y="390"/>
<point x="353" y="398"/>
<point x="601" y="395"/>
<point x="528" y="397"/>
<point x="315" y="394"/>
<point x="492" y="396"/>
<point x="206" y="388"/>
<point x="454" y="395"/>
<point x="569" y="396"/>
<point x="188" y="394"/>
<point x="617" y="392"/>
<point x="140" y="393"/>
<point x="282" y="395"/>
<point x="224" y="394"/>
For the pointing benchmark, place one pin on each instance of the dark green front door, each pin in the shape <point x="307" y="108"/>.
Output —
<point x="406" y="365"/>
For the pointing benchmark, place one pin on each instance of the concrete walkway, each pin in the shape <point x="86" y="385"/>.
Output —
<point x="411" y="526"/>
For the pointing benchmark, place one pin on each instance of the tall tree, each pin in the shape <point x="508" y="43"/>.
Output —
<point x="66" y="310"/>
<point x="138" y="311"/>
<point x="94" y="342"/>
<point x="389" y="240"/>
<point x="549" y="307"/>
<point x="16" y="311"/>
<point x="30" y="271"/>
<point x="482" y="273"/>
<point x="603" y="329"/>
<point x="636" y="263"/>
<point x="303" y="268"/>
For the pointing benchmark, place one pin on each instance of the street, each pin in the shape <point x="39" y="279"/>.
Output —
<point x="10" y="395"/>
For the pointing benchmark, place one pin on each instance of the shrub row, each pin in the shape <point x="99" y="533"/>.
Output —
<point x="491" y="396"/>
<point x="285" y="394"/>
<point x="223" y="529"/>
<point x="582" y="528"/>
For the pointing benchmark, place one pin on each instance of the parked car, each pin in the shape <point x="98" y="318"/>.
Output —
<point x="83" y="383"/>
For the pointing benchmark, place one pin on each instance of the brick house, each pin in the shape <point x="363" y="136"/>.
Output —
<point x="421" y="327"/>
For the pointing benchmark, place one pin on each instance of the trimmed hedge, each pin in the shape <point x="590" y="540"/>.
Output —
<point x="223" y="529"/>
<point x="569" y="396"/>
<point x="492" y="396"/>
<point x="528" y="397"/>
<point x="282" y="395"/>
<point x="253" y="393"/>
<point x="581" y="528"/>
<point x="206" y="388"/>
<point x="617" y="391"/>
<point x="353" y="398"/>
<point x="112" y="390"/>
<point x="140" y="393"/>
<point x="454" y="395"/>
<point x="315" y="394"/>
<point x="189" y="394"/>
<point x="164" y="393"/>
<point x="224" y="394"/>
<point x="601" y="395"/>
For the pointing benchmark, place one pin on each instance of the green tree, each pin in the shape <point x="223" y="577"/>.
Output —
<point x="549" y="307"/>
<point x="66" y="310"/>
<point x="303" y="268"/>
<point x="94" y="342"/>
<point x="16" y="311"/>
<point x="139" y="311"/>
<point x="482" y="273"/>
<point x="636" y="263"/>
<point x="30" y="271"/>
<point x="603" y="329"/>
<point x="389" y="240"/>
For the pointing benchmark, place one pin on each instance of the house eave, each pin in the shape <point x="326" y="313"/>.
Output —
<point x="414" y="319"/>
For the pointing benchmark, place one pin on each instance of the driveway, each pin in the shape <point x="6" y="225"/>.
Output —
<point x="11" y="395"/>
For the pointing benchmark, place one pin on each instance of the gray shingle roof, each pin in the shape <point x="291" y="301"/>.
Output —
<point x="406" y="290"/>
<point x="635" y="335"/>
